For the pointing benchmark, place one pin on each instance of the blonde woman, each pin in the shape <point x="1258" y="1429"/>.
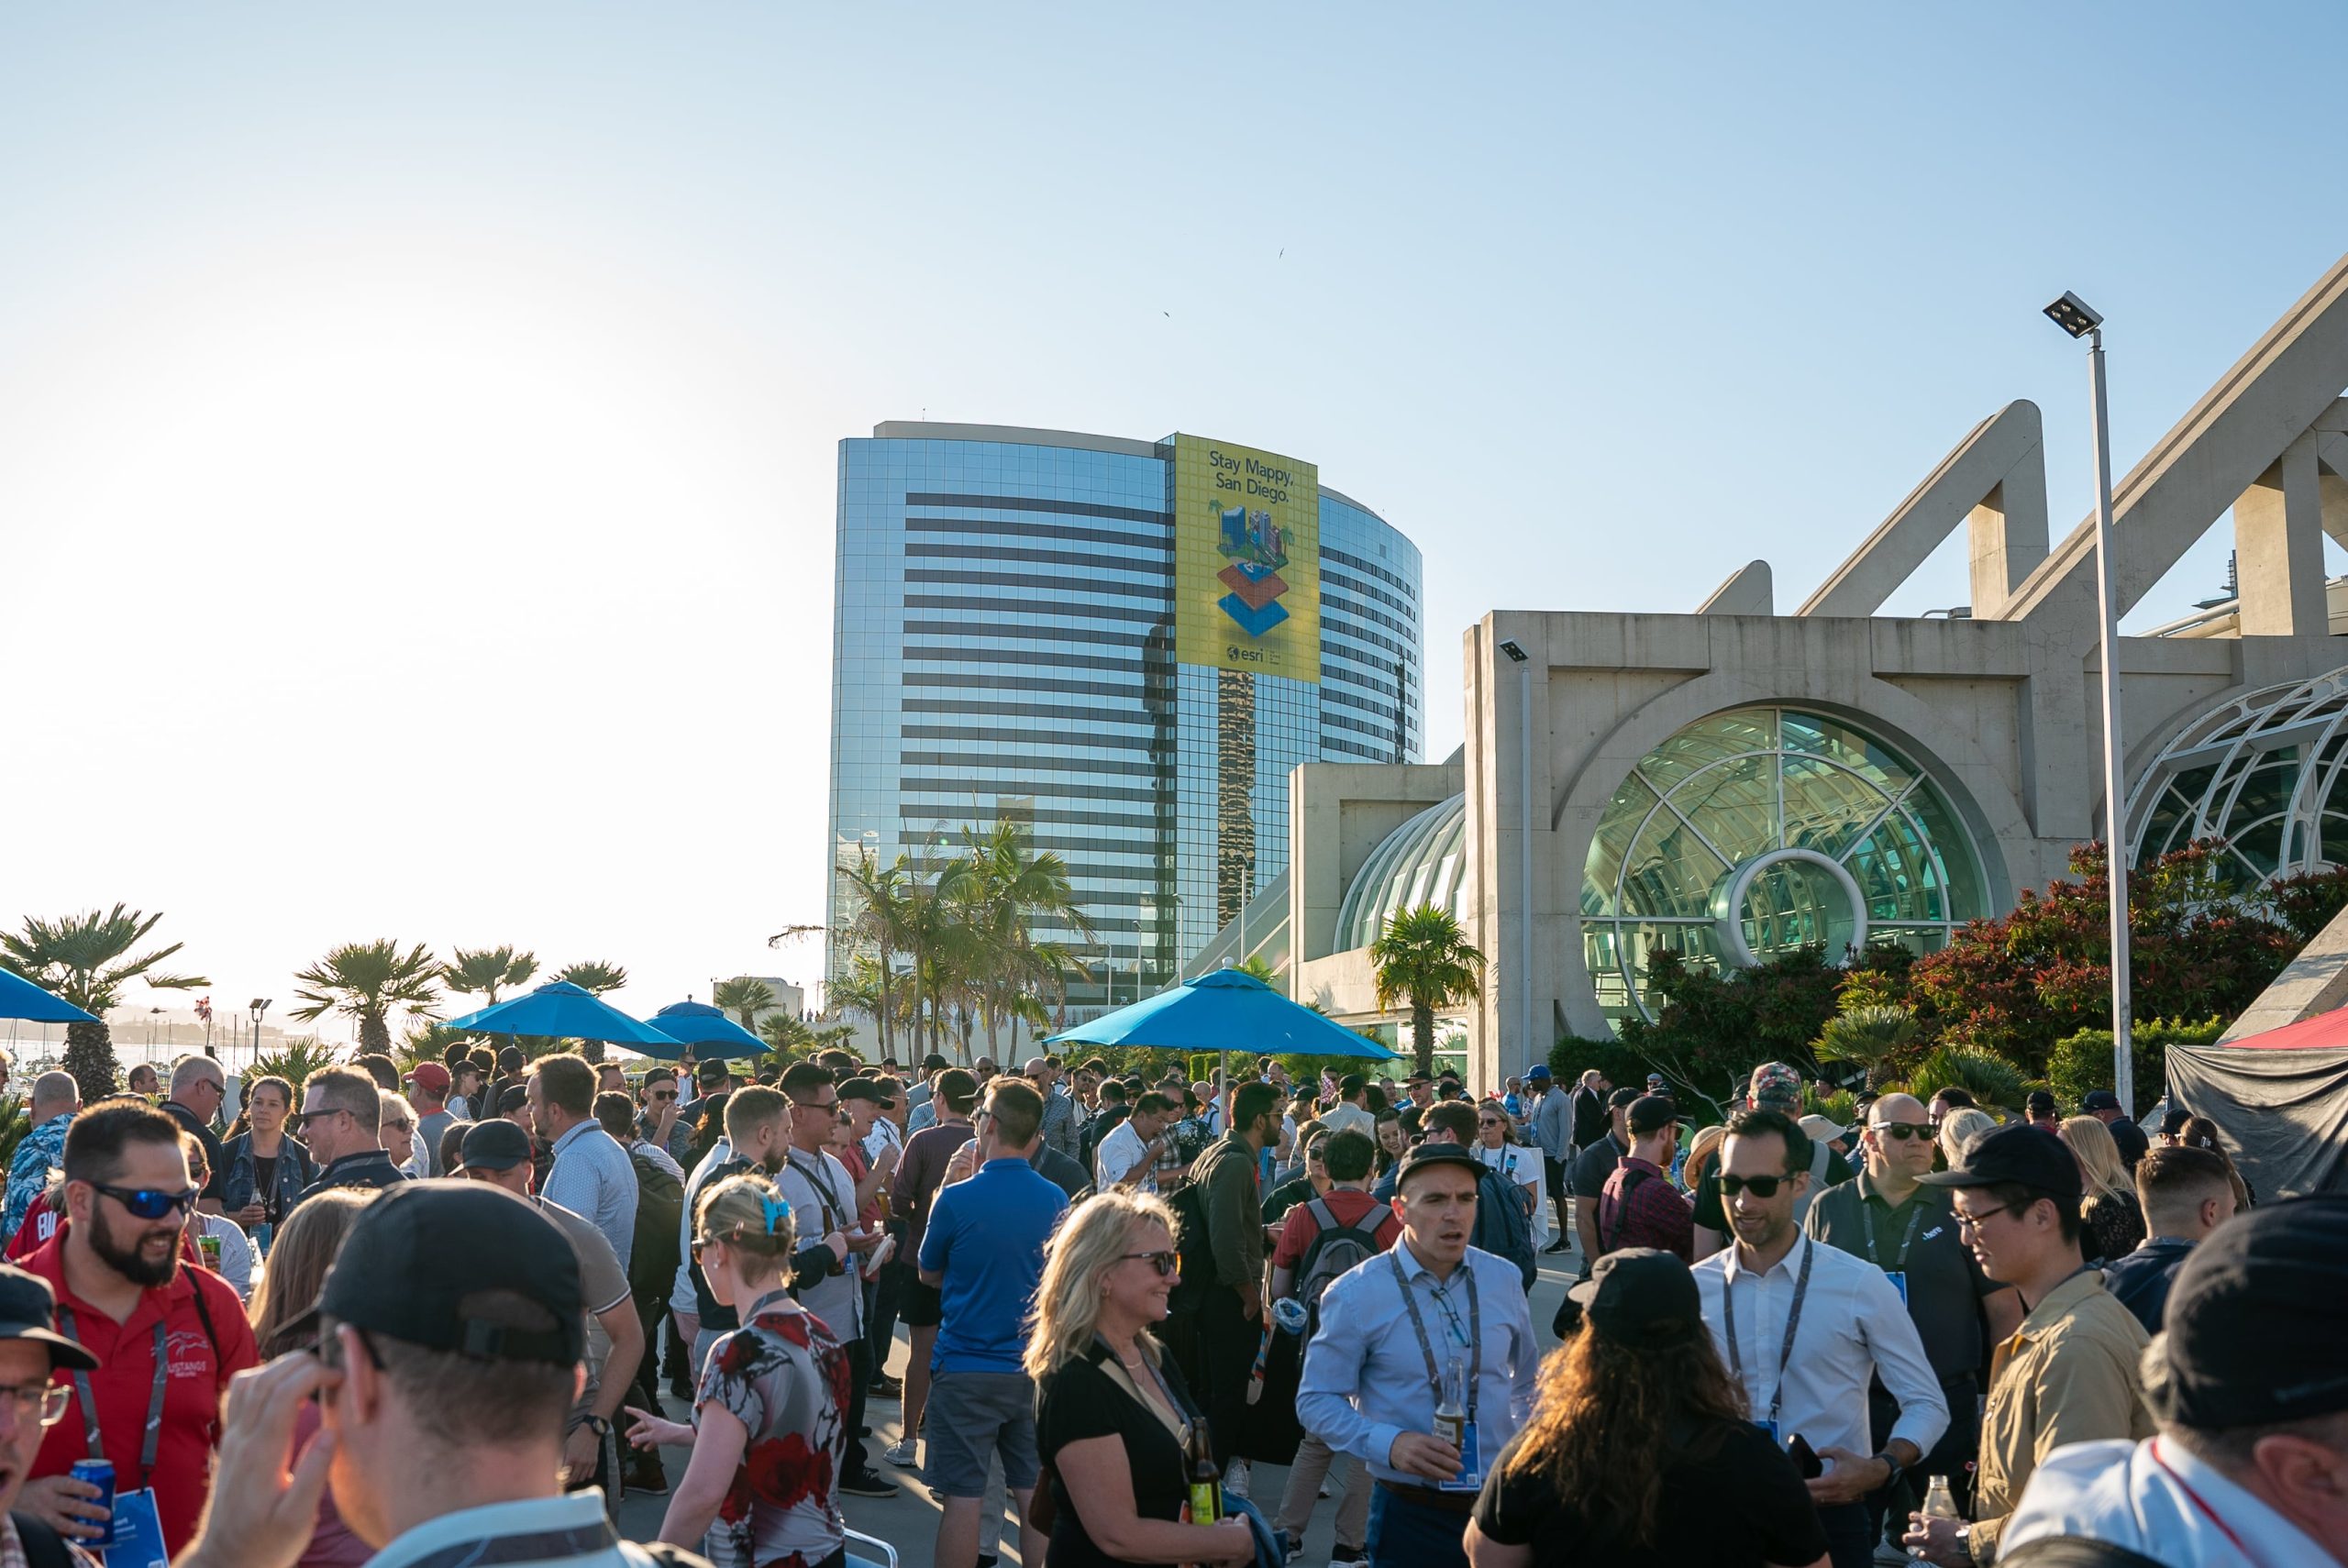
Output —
<point x="2115" y="1221"/>
<point x="771" y="1421"/>
<point x="1958" y="1129"/>
<point x="1111" y="1411"/>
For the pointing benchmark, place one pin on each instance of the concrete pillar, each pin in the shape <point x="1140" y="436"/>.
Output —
<point x="2278" y="547"/>
<point x="2005" y="534"/>
<point x="1747" y="592"/>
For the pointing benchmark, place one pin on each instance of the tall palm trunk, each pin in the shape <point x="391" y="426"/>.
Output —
<point x="374" y="1034"/>
<point x="1423" y="1036"/>
<point x="887" y="1019"/>
<point x="89" y="1057"/>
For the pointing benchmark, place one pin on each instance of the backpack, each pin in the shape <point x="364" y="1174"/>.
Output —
<point x="1193" y="1251"/>
<point x="1630" y="1180"/>
<point x="1503" y="1228"/>
<point x="1335" y="1249"/>
<point x="660" y="1211"/>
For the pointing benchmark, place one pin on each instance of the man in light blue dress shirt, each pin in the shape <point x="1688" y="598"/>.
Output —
<point x="1393" y="1324"/>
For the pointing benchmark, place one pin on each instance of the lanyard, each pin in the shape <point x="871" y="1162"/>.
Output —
<point x="1793" y="1322"/>
<point x="2206" y="1511"/>
<point x="94" y="1440"/>
<point x="1915" y="1217"/>
<point x="1179" y="1408"/>
<point x="821" y="1180"/>
<point x="1475" y="1326"/>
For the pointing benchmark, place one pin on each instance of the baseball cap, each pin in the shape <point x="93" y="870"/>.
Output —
<point x="29" y="1311"/>
<point x="2040" y="1103"/>
<point x="424" y="1247"/>
<point x="495" y="1145"/>
<point x="2269" y="1278"/>
<point x="1640" y="1296"/>
<point x="2020" y="1152"/>
<point x="1537" y="1075"/>
<point x="513" y="1099"/>
<point x="1624" y="1098"/>
<point x="2173" y="1121"/>
<point x="714" y="1071"/>
<point x="1776" y="1087"/>
<point x="429" y="1076"/>
<point x="509" y="1060"/>
<point x="1655" y="1082"/>
<point x="1426" y="1155"/>
<point x="866" y="1089"/>
<point x="1652" y="1114"/>
<point x="2099" y="1099"/>
<point x="659" y="1075"/>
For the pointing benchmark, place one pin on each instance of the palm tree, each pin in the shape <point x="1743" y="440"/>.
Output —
<point x="1870" y="1037"/>
<point x="593" y="976"/>
<point x="84" y="958"/>
<point x="786" y="1031"/>
<point x="367" y="981"/>
<point x="488" y="971"/>
<point x="1425" y="959"/>
<point x="881" y="920"/>
<point x="743" y="997"/>
<point x="1013" y="889"/>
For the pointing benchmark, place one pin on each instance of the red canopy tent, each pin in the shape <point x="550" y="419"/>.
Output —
<point x="2282" y="1098"/>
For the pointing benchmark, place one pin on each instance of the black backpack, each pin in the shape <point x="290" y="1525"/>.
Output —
<point x="44" y="1547"/>
<point x="660" y="1211"/>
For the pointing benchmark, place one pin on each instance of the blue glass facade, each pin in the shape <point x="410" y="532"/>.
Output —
<point x="1004" y="650"/>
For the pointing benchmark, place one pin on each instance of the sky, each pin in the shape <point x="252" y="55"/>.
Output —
<point x="418" y="425"/>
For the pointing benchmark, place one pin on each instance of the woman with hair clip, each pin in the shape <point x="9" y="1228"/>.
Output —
<point x="1640" y="1452"/>
<point x="2200" y="1132"/>
<point x="1111" y="1413"/>
<point x="771" y="1421"/>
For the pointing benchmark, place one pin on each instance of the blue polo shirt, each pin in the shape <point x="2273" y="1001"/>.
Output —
<point x="986" y="1236"/>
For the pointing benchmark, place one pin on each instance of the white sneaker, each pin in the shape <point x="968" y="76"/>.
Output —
<point x="1234" y="1480"/>
<point x="900" y="1454"/>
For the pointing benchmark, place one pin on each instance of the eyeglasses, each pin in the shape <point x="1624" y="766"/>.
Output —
<point x="701" y="1242"/>
<point x="1758" y="1185"/>
<point x="812" y="1105"/>
<point x="1166" y="1263"/>
<point x="42" y="1402"/>
<point x="1974" y="1222"/>
<point x="146" y="1203"/>
<point x="1902" y="1130"/>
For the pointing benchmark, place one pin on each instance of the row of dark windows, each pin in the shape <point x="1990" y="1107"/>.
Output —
<point x="1333" y="693"/>
<point x="1372" y="568"/>
<point x="1090" y="736"/>
<point x="1354" y="676"/>
<point x="1368" y="614"/>
<point x="1330" y="743"/>
<point x="1123" y="691"/>
<point x="965" y="785"/>
<point x="1022" y="635"/>
<point x="994" y="528"/>
<point x="1339" y="721"/>
<point x="1354" y="585"/>
<point x="1054" y="583"/>
<point x="1142" y="565"/>
<point x="909" y="811"/>
<point x="1361" y="633"/>
<point x="965" y="655"/>
<point x="1095" y="714"/>
<point x="1041" y="503"/>
<point x="1135" y="614"/>
<point x="1032" y="762"/>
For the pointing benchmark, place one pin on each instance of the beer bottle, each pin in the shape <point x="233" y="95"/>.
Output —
<point x="1206" y="1478"/>
<point x="1451" y="1404"/>
<point x="1938" y="1504"/>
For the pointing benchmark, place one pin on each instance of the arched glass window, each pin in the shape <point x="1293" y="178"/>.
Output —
<point x="2264" y="772"/>
<point x="1762" y="830"/>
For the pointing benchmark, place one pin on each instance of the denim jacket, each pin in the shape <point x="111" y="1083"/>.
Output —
<point x="294" y="1172"/>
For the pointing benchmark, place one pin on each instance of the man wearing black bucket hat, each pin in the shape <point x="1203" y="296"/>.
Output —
<point x="2249" y="1387"/>
<point x="31" y="1354"/>
<point x="2069" y="1373"/>
<point x="451" y="1333"/>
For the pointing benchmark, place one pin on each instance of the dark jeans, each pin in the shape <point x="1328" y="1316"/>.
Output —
<point x="1849" y="1543"/>
<point x="860" y="1378"/>
<point x="1228" y="1339"/>
<point x="1405" y="1534"/>
<point x="650" y="1311"/>
<point x="1953" y="1456"/>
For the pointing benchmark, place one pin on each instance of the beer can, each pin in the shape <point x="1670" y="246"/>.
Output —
<point x="98" y="1472"/>
<point x="210" y="1247"/>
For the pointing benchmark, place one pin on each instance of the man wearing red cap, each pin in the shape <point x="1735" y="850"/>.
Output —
<point x="428" y="1094"/>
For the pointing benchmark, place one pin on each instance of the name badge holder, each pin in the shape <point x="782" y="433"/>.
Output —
<point x="135" y="1533"/>
<point x="1470" y="1477"/>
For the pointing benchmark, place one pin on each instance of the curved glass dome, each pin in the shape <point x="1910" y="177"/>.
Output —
<point x="1422" y="862"/>
<point x="1762" y="830"/>
<point x="2263" y="772"/>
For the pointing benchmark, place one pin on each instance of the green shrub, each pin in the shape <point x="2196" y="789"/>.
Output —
<point x="2081" y="1062"/>
<point x="1994" y="1082"/>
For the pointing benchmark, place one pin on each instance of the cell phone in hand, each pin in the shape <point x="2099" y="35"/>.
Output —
<point x="1806" y="1458"/>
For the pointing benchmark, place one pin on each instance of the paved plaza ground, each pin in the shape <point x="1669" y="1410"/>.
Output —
<point x="909" y="1520"/>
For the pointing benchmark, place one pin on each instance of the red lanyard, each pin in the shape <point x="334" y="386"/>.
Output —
<point x="2206" y="1511"/>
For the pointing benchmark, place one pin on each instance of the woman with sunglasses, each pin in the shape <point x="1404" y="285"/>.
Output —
<point x="1112" y="1416"/>
<point x="1499" y="1149"/>
<point x="771" y="1421"/>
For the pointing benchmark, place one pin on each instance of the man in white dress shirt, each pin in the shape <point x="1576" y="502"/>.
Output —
<point x="1805" y="1328"/>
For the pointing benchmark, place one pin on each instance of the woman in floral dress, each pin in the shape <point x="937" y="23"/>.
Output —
<point x="770" y="1422"/>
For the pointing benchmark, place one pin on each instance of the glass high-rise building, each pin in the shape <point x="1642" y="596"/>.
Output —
<point x="1124" y="645"/>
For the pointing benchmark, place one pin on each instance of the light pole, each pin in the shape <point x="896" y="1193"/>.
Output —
<point x="259" y="1006"/>
<point x="1519" y="657"/>
<point x="2072" y="314"/>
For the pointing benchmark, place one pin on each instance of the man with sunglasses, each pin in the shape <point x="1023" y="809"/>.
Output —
<point x="1805" y="1329"/>
<point x="167" y="1338"/>
<point x="1887" y="1218"/>
<point x="341" y="1121"/>
<point x="199" y="1088"/>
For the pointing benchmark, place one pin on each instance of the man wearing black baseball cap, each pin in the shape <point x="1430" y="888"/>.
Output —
<point x="31" y="1354"/>
<point x="2069" y="1373"/>
<point x="2104" y="1106"/>
<point x="2250" y="1385"/>
<point x="451" y="1331"/>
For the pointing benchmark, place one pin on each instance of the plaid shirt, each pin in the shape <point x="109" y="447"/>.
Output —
<point x="12" y="1548"/>
<point x="1655" y="1215"/>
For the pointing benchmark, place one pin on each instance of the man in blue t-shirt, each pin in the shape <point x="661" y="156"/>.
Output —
<point x="983" y="1253"/>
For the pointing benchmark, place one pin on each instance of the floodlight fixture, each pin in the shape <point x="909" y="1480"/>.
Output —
<point x="1515" y="651"/>
<point x="2073" y="315"/>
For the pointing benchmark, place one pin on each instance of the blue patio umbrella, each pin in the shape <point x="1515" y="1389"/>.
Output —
<point x="1226" y="1011"/>
<point x="19" y="998"/>
<point x="559" y="1009"/>
<point x="704" y="1028"/>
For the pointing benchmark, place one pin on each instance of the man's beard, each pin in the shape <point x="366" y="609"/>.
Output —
<point x="130" y="1262"/>
<point x="774" y="1159"/>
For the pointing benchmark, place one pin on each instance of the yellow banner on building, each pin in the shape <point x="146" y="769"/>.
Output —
<point x="1247" y="559"/>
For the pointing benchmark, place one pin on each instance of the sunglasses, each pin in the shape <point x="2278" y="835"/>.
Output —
<point x="1902" y="1130"/>
<point x="664" y="1094"/>
<point x="146" y="1203"/>
<point x="1166" y="1263"/>
<point x="1758" y="1185"/>
<point x="302" y="1118"/>
<point x="701" y="1242"/>
<point x="1487" y="1122"/>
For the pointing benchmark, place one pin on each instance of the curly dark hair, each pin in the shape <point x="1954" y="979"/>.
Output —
<point x="1597" y="1435"/>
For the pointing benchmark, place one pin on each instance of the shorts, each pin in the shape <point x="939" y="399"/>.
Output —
<point x="1556" y="1171"/>
<point x="971" y="1417"/>
<point x="918" y="1306"/>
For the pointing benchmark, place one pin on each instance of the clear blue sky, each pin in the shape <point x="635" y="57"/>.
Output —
<point x="437" y="407"/>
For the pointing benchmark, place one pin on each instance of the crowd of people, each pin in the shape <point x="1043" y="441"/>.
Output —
<point x="429" y="1317"/>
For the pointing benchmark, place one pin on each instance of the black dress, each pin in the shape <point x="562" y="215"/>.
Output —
<point x="1081" y="1400"/>
<point x="1731" y="1498"/>
<point x="2115" y="1226"/>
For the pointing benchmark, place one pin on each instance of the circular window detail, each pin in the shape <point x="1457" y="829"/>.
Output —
<point x="1761" y="831"/>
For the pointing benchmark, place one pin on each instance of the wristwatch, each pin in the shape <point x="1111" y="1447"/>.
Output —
<point x="598" y="1425"/>
<point x="1891" y="1467"/>
<point x="1965" y="1542"/>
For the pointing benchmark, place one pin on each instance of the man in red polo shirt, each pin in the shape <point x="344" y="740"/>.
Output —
<point x="159" y="1330"/>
